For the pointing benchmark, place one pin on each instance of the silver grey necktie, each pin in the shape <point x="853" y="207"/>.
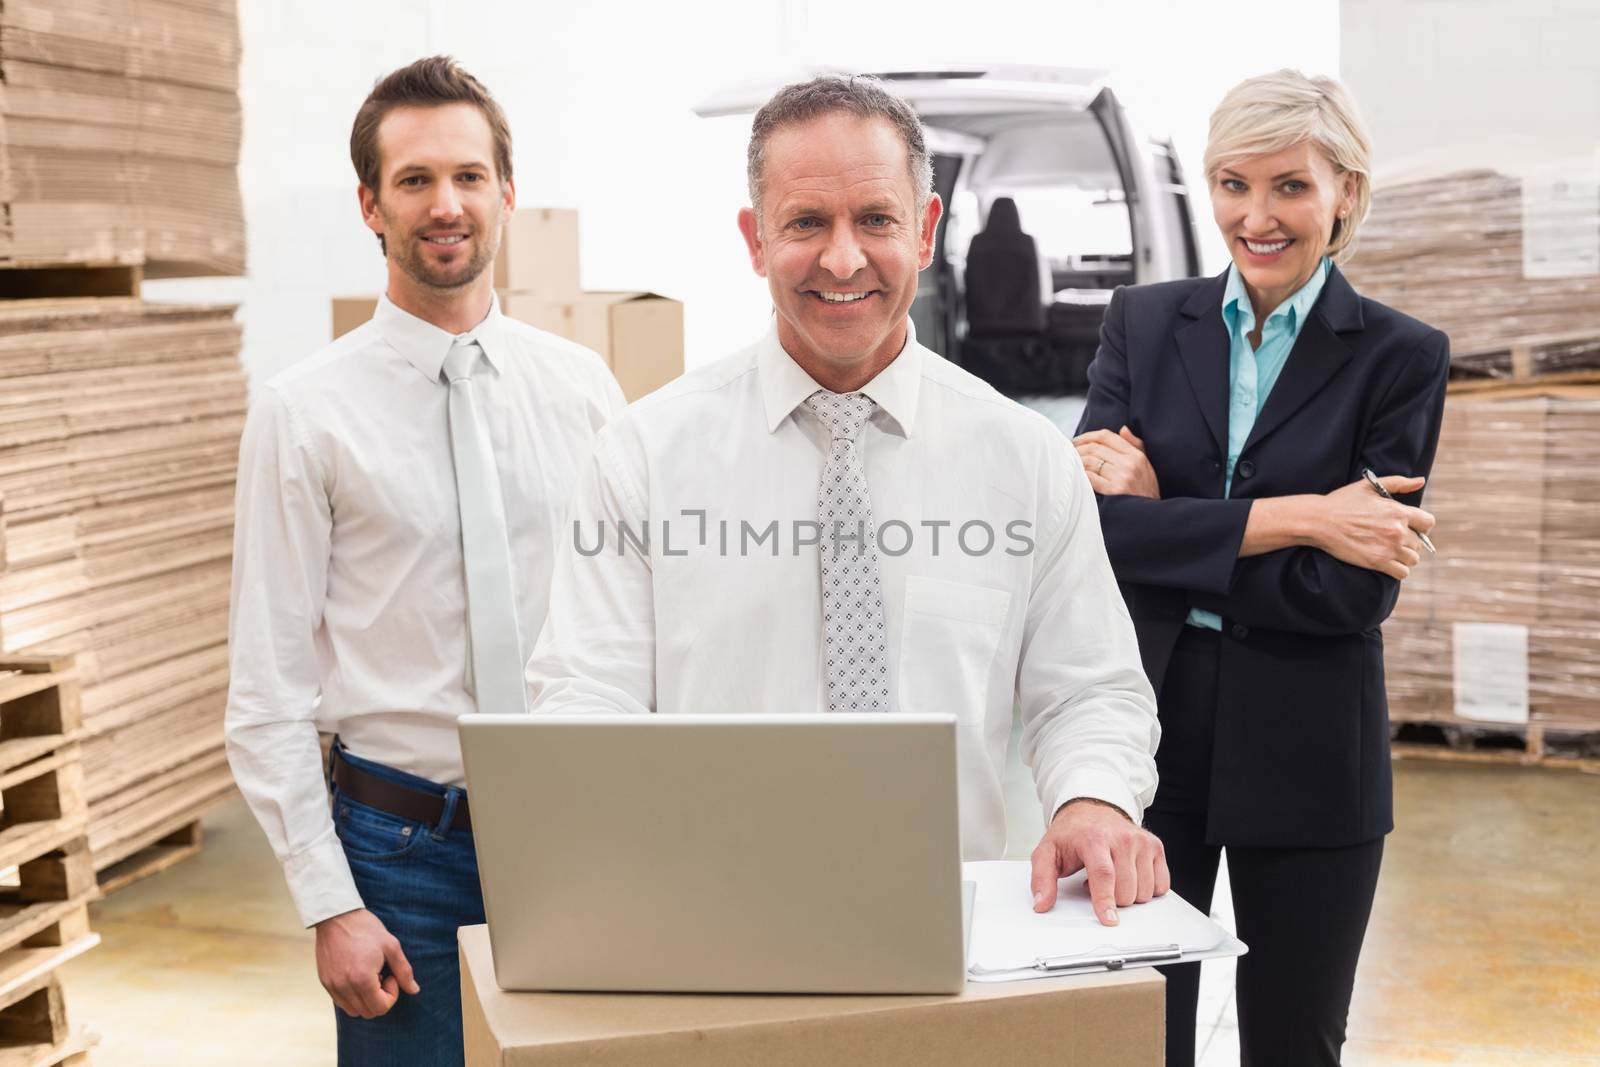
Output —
<point x="854" y="645"/>
<point x="496" y="647"/>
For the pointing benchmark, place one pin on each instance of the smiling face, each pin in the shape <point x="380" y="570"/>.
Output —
<point x="840" y="242"/>
<point x="1277" y="214"/>
<point x="441" y="205"/>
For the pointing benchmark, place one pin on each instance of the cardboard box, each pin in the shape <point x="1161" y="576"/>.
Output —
<point x="350" y="312"/>
<point x="640" y="335"/>
<point x="1104" y="1020"/>
<point x="539" y="253"/>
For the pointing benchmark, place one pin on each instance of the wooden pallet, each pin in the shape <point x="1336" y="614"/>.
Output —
<point x="1565" y="360"/>
<point x="1569" y="385"/>
<point x="53" y="281"/>
<point x="174" y="848"/>
<point x="1528" y="745"/>
<point x="44" y="917"/>
<point x="34" y="1030"/>
<point x="42" y="804"/>
<point x="73" y="1052"/>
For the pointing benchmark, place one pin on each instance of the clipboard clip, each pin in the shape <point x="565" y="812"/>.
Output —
<point x="1110" y="959"/>
<point x="1113" y="961"/>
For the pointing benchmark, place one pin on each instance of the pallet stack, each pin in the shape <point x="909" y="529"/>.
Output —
<point x="120" y="420"/>
<point x="119" y="434"/>
<point x="119" y="134"/>
<point x="1499" y="634"/>
<point x="1497" y="638"/>
<point x="44" y="915"/>
<point x="1484" y="257"/>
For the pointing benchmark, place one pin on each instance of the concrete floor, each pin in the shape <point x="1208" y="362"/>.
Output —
<point x="1484" y="947"/>
<point x="205" y="963"/>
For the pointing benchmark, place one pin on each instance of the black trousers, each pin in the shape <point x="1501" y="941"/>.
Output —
<point x="1302" y="911"/>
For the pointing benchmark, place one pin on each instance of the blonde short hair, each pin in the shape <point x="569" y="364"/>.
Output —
<point x="1272" y="112"/>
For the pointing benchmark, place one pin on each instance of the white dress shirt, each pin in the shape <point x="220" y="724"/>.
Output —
<point x="348" y="576"/>
<point x="708" y="619"/>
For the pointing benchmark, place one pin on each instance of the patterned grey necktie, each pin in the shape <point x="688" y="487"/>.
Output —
<point x="853" y="638"/>
<point x="496" y="646"/>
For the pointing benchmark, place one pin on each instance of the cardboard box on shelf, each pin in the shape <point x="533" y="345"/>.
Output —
<point x="1107" y="1020"/>
<point x="640" y="335"/>
<point x="539" y="253"/>
<point x="350" y="312"/>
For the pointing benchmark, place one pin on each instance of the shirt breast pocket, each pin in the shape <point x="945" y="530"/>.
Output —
<point x="949" y="636"/>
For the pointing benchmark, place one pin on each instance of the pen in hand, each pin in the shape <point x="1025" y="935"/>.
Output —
<point x="1377" y="487"/>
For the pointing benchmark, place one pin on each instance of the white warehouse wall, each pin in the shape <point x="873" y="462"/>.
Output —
<point x="599" y="100"/>
<point x="1454" y="84"/>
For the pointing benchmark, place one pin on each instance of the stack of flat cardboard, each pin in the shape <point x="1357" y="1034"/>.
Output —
<point x="119" y="134"/>
<point x="639" y="335"/>
<point x="119" y="436"/>
<point x="1503" y="625"/>
<point x="1493" y="261"/>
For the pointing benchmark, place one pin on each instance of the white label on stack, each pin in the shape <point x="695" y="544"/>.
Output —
<point x="1561" y="224"/>
<point x="1491" y="671"/>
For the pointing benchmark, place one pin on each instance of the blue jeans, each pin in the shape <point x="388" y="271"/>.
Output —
<point x="422" y="882"/>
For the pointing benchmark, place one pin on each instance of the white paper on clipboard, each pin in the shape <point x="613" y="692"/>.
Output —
<point x="1007" y="935"/>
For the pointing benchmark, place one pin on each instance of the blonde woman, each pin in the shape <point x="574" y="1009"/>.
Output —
<point x="1228" y="426"/>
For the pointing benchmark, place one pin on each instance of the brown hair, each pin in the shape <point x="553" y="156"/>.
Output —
<point x="431" y="82"/>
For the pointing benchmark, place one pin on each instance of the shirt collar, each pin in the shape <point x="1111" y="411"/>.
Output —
<point x="785" y="386"/>
<point x="425" y="345"/>
<point x="1238" y="312"/>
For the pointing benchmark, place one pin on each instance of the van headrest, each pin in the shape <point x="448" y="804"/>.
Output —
<point x="1003" y="216"/>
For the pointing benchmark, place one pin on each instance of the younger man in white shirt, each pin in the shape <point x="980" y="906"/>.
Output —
<point x="400" y="495"/>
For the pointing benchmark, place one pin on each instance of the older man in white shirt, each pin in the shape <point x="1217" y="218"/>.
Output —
<point x="400" y="496"/>
<point x="837" y="518"/>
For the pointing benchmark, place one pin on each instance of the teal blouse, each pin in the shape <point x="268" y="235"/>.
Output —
<point x="1252" y="374"/>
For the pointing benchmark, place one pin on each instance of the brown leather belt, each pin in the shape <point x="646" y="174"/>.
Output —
<point x="402" y="802"/>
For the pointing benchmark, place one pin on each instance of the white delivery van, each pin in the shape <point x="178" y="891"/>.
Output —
<point x="1051" y="201"/>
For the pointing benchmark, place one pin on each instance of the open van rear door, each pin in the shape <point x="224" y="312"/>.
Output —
<point x="961" y="90"/>
<point x="1019" y="128"/>
<point x="1160" y="225"/>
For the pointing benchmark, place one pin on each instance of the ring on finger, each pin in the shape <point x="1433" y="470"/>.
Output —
<point x="1100" y="469"/>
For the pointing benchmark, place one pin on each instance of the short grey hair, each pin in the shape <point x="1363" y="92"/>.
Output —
<point x="827" y="94"/>
<point x="1267" y="114"/>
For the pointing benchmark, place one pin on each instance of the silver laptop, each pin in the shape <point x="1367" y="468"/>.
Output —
<point x="719" y="853"/>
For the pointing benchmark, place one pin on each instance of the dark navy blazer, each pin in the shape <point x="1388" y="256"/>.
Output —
<point x="1301" y="753"/>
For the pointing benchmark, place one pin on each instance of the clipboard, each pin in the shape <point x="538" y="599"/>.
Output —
<point x="1009" y="942"/>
